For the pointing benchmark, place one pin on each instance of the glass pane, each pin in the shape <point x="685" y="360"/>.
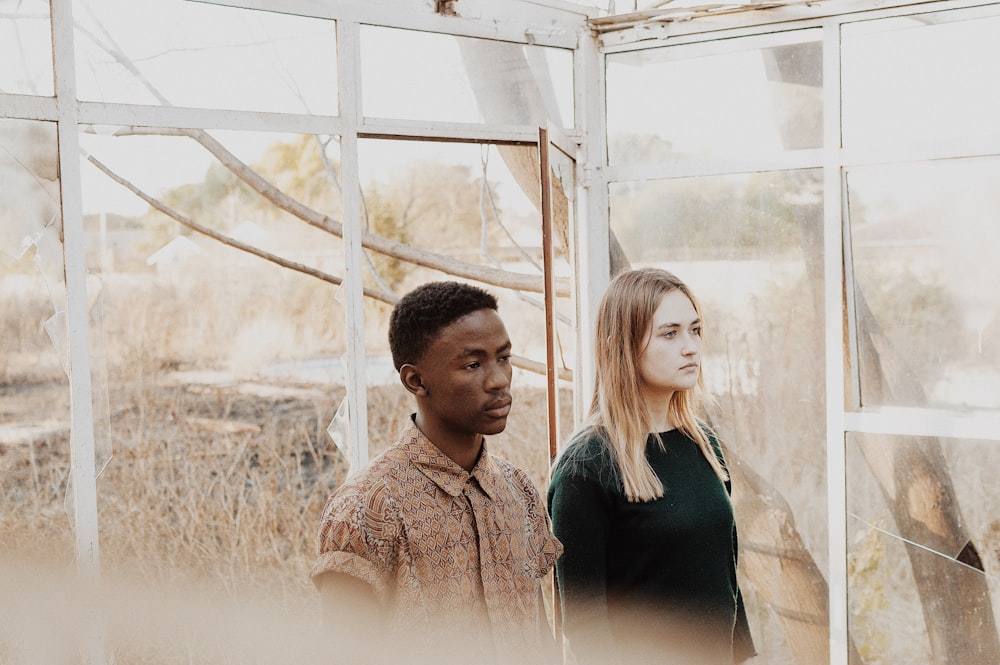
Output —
<point x="34" y="386"/>
<point x="750" y="248"/>
<point x="178" y="53"/>
<point x="741" y="97"/>
<point x="223" y="462"/>
<point x="25" y="47"/>
<point x="460" y="79"/>
<point x="468" y="207"/>
<point x="924" y="541"/>
<point x="29" y="171"/>
<point x="921" y="77"/>
<point x="925" y="238"/>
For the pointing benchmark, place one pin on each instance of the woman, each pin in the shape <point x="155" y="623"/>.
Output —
<point x="640" y="496"/>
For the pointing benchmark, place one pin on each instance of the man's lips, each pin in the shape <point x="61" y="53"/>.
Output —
<point x="499" y="409"/>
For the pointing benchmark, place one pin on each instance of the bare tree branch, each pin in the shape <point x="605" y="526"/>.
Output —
<point x="232" y="242"/>
<point x="380" y="244"/>
<point x="388" y="298"/>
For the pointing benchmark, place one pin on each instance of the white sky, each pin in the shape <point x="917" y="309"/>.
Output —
<point x="896" y="84"/>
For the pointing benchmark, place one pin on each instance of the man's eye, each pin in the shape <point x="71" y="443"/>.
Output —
<point x="505" y="359"/>
<point x="474" y="365"/>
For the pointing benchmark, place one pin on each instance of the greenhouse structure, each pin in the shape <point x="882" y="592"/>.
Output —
<point x="208" y="209"/>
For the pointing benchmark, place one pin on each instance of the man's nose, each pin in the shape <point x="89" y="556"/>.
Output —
<point x="499" y="376"/>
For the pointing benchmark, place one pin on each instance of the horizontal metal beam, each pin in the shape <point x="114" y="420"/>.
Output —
<point x="520" y="21"/>
<point x="904" y="421"/>
<point x="28" y="107"/>
<point x="128" y="115"/>
<point x="626" y="32"/>
<point x="464" y="132"/>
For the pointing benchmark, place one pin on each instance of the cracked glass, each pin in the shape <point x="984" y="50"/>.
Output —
<point x="923" y="548"/>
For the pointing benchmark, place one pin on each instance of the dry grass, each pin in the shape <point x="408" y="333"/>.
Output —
<point x="208" y="489"/>
<point x="209" y="508"/>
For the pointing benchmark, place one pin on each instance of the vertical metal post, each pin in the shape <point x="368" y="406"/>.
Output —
<point x="833" y="280"/>
<point x="349" y="81"/>
<point x="593" y="253"/>
<point x="548" y="259"/>
<point x="551" y="375"/>
<point x="83" y="471"/>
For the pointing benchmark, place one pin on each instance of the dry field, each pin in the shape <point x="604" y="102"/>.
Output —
<point x="212" y="499"/>
<point x="209" y="506"/>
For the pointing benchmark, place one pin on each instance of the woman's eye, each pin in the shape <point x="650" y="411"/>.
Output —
<point x="696" y="332"/>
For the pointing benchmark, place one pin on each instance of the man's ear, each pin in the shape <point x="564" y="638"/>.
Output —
<point x="412" y="380"/>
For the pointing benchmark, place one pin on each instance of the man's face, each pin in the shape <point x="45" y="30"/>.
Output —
<point x="466" y="375"/>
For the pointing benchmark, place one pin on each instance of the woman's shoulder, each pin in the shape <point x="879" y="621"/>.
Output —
<point x="587" y="443"/>
<point x="713" y="437"/>
<point x="716" y="443"/>
<point x="586" y="454"/>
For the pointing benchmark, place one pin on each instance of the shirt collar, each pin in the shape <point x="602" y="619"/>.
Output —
<point x="443" y="471"/>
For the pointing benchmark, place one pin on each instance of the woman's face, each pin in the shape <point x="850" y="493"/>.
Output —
<point x="670" y="359"/>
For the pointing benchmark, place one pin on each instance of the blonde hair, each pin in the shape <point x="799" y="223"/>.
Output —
<point x="624" y="319"/>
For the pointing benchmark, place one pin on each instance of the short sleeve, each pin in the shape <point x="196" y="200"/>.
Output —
<point x="358" y="537"/>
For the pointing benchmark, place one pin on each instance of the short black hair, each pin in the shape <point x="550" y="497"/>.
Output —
<point x="423" y="312"/>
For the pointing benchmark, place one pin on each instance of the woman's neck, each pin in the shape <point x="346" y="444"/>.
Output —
<point x="658" y="409"/>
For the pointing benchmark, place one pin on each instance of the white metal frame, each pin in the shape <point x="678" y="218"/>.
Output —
<point x="833" y="275"/>
<point x="82" y="432"/>
<point x="843" y="416"/>
<point x="547" y="23"/>
<point x="535" y="22"/>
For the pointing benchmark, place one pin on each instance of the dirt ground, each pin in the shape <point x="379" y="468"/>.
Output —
<point x="30" y="411"/>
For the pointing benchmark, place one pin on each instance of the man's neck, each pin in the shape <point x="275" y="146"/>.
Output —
<point x="462" y="451"/>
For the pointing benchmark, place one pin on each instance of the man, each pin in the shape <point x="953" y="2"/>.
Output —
<point x="433" y="552"/>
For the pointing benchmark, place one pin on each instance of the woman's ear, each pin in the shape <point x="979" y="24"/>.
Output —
<point x="412" y="380"/>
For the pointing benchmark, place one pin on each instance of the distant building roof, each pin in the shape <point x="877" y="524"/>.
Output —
<point x="175" y="250"/>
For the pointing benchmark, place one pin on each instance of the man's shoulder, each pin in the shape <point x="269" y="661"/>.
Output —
<point x="378" y="479"/>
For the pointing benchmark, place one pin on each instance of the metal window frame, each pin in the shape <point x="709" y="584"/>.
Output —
<point x="528" y="22"/>
<point x="546" y="23"/>
<point x="844" y="414"/>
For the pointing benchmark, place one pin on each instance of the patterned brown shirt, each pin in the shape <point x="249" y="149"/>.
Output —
<point x="446" y="549"/>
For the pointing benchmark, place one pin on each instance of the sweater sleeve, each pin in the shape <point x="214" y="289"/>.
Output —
<point x="743" y="646"/>
<point x="580" y="510"/>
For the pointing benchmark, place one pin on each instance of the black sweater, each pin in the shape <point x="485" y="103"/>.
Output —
<point x="651" y="582"/>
